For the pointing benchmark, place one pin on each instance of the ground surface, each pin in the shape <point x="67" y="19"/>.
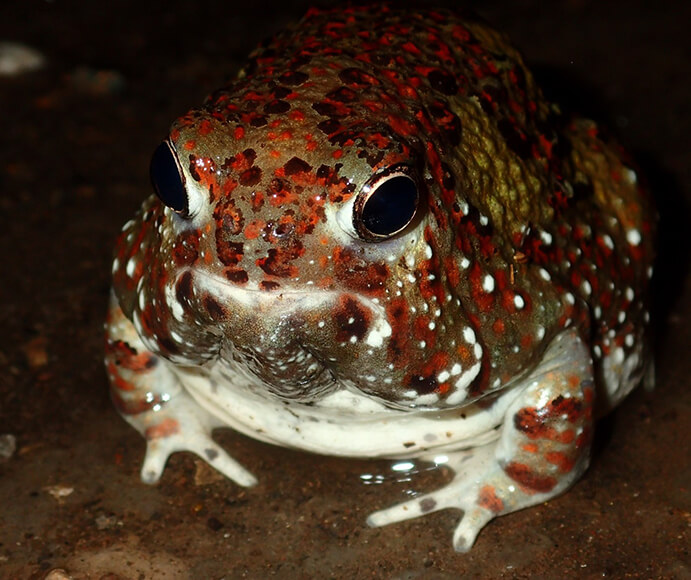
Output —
<point x="77" y="137"/>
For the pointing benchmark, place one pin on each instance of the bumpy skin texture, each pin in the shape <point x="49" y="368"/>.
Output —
<point x="498" y="321"/>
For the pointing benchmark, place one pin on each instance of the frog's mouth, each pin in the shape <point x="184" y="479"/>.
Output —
<point x="297" y="345"/>
<point x="291" y="373"/>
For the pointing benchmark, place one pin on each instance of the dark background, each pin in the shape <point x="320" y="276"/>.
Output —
<point x="76" y="141"/>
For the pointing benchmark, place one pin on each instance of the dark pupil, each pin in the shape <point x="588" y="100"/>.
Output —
<point x="166" y="179"/>
<point x="391" y="207"/>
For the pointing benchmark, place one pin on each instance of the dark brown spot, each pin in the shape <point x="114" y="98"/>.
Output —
<point x="443" y="82"/>
<point x="268" y="285"/>
<point x="251" y="176"/>
<point x="229" y="219"/>
<point x="515" y="139"/>
<point x="236" y="276"/>
<point x="183" y="288"/>
<point x="329" y="127"/>
<point x="186" y="248"/>
<point x="277" y="262"/>
<point x="293" y="78"/>
<point x="427" y="505"/>
<point x="230" y="253"/>
<point x="276" y="107"/>
<point x="214" y="308"/>
<point x="423" y="385"/>
<point x="352" y="320"/>
<point x="296" y="165"/>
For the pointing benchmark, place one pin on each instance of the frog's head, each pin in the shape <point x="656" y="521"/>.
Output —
<point x="324" y="236"/>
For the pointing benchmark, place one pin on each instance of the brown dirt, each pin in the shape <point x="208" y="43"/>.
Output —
<point x="73" y="168"/>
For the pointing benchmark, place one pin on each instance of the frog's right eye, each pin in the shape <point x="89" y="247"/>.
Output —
<point x="168" y="179"/>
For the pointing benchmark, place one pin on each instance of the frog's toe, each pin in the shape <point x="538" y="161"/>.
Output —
<point x="159" y="449"/>
<point x="469" y="527"/>
<point x="217" y="458"/>
<point x="154" y="463"/>
<point x="440" y="499"/>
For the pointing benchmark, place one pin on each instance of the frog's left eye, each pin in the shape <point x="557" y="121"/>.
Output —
<point x="386" y="205"/>
<point x="168" y="179"/>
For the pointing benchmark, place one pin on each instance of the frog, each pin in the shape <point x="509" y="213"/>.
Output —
<point x="381" y="240"/>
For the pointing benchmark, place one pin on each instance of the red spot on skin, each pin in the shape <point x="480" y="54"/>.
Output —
<point x="355" y="273"/>
<point x="124" y="356"/>
<point x="499" y="327"/>
<point x="482" y="299"/>
<point x="117" y="381"/>
<point x="561" y="460"/>
<point x="205" y="127"/>
<point x="397" y="313"/>
<point x="165" y="428"/>
<point x="411" y="48"/>
<point x="239" y="133"/>
<point x="254" y="229"/>
<point x="529" y="481"/>
<point x="488" y="499"/>
<point x="189" y="145"/>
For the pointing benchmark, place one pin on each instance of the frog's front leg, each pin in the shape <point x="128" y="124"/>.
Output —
<point x="149" y="396"/>
<point x="542" y="449"/>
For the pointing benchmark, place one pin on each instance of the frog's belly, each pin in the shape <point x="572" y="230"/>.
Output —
<point x="343" y="423"/>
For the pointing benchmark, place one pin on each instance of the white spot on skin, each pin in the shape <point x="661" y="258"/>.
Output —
<point x="587" y="288"/>
<point x="465" y="263"/>
<point x="630" y="175"/>
<point x="629" y="294"/>
<point x="469" y="335"/>
<point x="633" y="237"/>
<point x="518" y="301"/>
<point x="462" y="383"/>
<point x="608" y="241"/>
<point x="428" y="251"/>
<point x="443" y="376"/>
<point x="546" y="237"/>
<point x="131" y="266"/>
<point x="488" y="283"/>
<point x="456" y="370"/>
<point x="544" y="274"/>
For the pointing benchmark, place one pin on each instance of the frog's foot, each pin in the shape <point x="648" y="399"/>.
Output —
<point x="149" y="396"/>
<point x="463" y="492"/>
<point x="184" y="426"/>
<point x="543" y="448"/>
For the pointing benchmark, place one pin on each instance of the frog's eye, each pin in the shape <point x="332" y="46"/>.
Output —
<point x="386" y="205"/>
<point x="168" y="179"/>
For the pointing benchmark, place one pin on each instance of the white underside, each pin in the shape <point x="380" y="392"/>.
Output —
<point x="343" y="423"/>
